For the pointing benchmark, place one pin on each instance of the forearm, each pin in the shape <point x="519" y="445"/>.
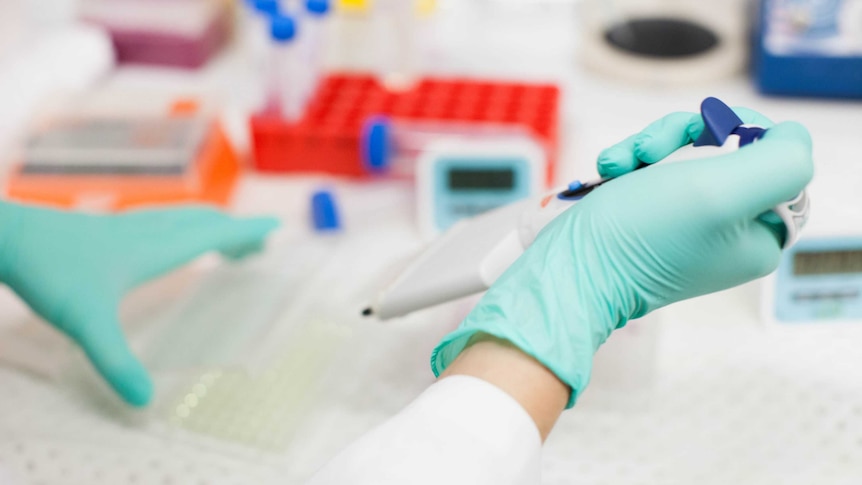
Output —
<point x="542" y="395"/>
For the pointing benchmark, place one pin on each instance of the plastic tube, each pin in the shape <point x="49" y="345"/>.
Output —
<point x="314" y="41"/>
<point x="392" y="146"/>
<point x="254" y="29"/>
<point x="286" y="78"/>
<point x="258" y="17"/>
<point x="395" y="25"/>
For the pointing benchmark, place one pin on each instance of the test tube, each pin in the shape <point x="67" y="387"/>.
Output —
<point x="392" y="146"/>
<point x="395" y="29"/>
<point x="286" y="79"/>
<point x="314" y="41"/>
<point x="256" y="15"/>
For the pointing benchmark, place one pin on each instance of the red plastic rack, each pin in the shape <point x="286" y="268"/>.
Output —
<point x="327" y="139"/>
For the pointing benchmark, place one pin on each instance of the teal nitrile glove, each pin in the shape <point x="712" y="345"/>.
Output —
<point x="73" y="269"/>
<point x="640" y="242"/>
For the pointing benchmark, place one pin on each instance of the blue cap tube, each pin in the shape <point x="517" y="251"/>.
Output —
<point x="283" y="28"/>
<point x="324" y="211"/>
<point x="268" y="7"/>
<point x="377" y="144"/>
<point x="317" y="7"/>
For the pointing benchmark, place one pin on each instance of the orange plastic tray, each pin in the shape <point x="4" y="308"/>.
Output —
<point x="218" y="169"/>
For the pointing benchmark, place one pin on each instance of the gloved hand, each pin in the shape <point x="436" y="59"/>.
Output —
<point x="640" y="242"/>
<point x="73" y="269"/>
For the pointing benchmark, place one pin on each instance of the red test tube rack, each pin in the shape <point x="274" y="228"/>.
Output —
<point x="327" y="138"/>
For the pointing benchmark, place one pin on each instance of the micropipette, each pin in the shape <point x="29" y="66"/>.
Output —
<point x="474" y="253"/>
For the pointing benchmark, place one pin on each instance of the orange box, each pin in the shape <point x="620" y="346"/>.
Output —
<point x="217" y="166"/>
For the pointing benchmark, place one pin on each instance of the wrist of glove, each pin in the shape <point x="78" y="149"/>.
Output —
<point x="561" y="326"/>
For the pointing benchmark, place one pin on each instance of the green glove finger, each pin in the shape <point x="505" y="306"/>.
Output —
<point x="171" y="218"/>
<point x="618" y="159"/>
<point x="660" y="139"/>
<point x="238" y="253"/>
<point x="226" y="235"/>
<point x="674" y="131"/>
<point x="623" y="158"/>
<point x="758" y="177"/>
<point x="102" y="340"/>
<point x="664" y="136"/>
<point x="240" y="237"/>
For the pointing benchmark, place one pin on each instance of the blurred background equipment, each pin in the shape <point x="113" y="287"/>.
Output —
<point x="94" y="155"/>
<point x="807" y="48"/>
<point x="819" y="280"/>
<point x="397" y="40"/>
<point x="181" y="33"/>
<point x="461" y="178"/>
<point x="70" y="60"/>
<point x="664" y="42"/>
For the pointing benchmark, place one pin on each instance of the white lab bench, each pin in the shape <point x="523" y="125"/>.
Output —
<point x="730" y="399"/>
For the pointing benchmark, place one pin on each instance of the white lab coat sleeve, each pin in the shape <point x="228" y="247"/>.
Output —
<point x="461" y="430"/>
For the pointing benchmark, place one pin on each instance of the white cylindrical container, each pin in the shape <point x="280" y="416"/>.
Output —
<point x="286" y="76"/>
<point x="254" y="43"/>
<point x="395" y="25"/>
<point x="314" y="40"/>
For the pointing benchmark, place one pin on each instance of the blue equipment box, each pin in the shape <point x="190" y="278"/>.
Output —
<point x="809" y="48"/>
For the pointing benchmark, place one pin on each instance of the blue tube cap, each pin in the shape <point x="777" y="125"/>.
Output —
<point x="269" y="7"/>
<point x="376" y="145"/>
<point x="317" y="7"/>
<point x="283" y="28"/>
<point x="324" y="212"/>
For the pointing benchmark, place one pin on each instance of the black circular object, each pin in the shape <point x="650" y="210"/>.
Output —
<point x="665" y="38"/>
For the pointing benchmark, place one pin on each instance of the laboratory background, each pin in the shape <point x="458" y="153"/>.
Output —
<point x="371" y="128"/>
